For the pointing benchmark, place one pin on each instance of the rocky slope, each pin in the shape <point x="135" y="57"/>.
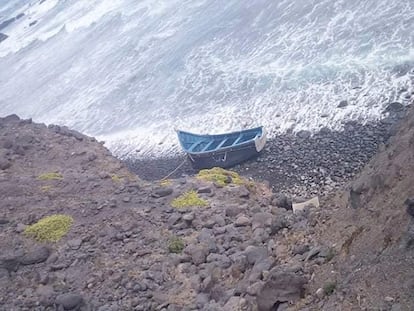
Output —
<point x="130" y="249"/>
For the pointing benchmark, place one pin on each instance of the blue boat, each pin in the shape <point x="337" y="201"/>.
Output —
<point x="222" y="150"/>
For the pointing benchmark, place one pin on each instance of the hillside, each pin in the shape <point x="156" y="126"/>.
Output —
<point x="131" y="245"/>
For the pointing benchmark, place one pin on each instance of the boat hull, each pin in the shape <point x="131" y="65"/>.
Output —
<point x="222" y="150"/>
<point x="224" y="159"/>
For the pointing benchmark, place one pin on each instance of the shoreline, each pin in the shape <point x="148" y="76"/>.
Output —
<point x="295" y="164"/>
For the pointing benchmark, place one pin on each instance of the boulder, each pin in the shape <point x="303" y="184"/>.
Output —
<point x="38" y="255"/>
<point x="69" y="301"/>
<point x="280" y="288"/>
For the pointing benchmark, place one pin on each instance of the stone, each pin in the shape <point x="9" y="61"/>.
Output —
<point x="69" y="301"/>
<point x="3" y="221"/>
<point x="409" y="203"/>
<point x="38" y="255"/>
<point x="3" y="36"/>
<point x="235" y="303"/>
<point x="189" y="217"/>
<point x="11" y="264"/>
<point x="75" y="243"/>
<point x="282" y="201"/>
<point x="5" y="164"/>
<point x="320" y="293"/>
<point x="162" y="192"/>
<point x="232" y="211"/>
<point x="242" y="221"/>
<point x="20" y="228"/>
<point x="281" y="287"/>
<point x="342" y="104"/>
<point x="300" y="249"/>
<point x="303" y="134"/>
<point x="255" y="254"/>
<point x="204" y="190"/>
<point x="261" y="220"/>
<point x="198" y="253"/>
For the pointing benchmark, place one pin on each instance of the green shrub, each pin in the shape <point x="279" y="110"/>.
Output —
<point x="50" y="229"/>
<point x="50" y="176"/>
<point x="188" y="199"/>
<point x="220" y="176"/>
<point x="329" y="288"/>
<point x="176" y="245"/>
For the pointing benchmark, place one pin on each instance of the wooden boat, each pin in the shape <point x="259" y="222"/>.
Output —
<point x="222" y="150"/>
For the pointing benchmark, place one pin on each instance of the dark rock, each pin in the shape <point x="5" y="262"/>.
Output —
<point x="162" y="192"/>
<point x="32" y="23"/>
<point x="342" y="104"/>
<point x="4" y="164"/>
<point x="277" y="225"/>
<point x="409" y="203"/>
<point x="261" y="220"/>
<point x="198" y="253"/>
<point x="300" y="249"/>
<point x="281" y="287"/>
<point x="303" y="134"/>
<point x="11" y="264"/>
<point x="3" y="221"/>
<point x="7" y="143"/>
<point x="69" y="301"/>
<point x="255" y="254"/>
<point x="3" y="36"/>
<point x="233" y="211"/>
<point x="204" y="190"/>
<point x="36" y="256"/>
<point x="394" y="107"/>
<point x="282" y="201"/>
<point x="4" y="273"/>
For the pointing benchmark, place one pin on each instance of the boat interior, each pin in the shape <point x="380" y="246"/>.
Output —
<point x="205" y="143"/>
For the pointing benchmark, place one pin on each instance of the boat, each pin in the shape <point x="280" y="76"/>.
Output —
<point x="222" y="150"/>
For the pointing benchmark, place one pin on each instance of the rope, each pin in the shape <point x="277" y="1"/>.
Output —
<point x="176" y="169"/>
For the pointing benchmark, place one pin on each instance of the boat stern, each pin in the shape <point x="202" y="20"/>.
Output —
<point x="260" y="141"/>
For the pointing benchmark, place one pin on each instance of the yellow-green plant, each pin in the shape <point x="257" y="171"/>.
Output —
<point x="50" y="229"/>
<point x="165" y="182"/>
<point x="46" y="188"/>
<point x="116" y="178"/>
<point x="50" y="176"/>
<point x="187" y="199"/>
<point x="220" y="176"/>
<point x="176" y="245"/>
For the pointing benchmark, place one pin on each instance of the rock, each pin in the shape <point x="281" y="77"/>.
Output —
<point x="313" y="253"/>
<point x="233" y="211"/>
<point x="198" y="253"/>
<point x="5" y="164"/>
<point x="204" y="190"/>
<point x="189" y="217"/>
<point x="261" y="220"/>
<point x="3" y="36"/>
<point x="162" y="192"/>
<point x="281" y="287"/>
<point x="235" y="303"/>
<point x="409" y="203"/>
<point x="282" y="201"/>
<point x="3" y="221"/>
<point x="342" y="104"/>
<point x="45" y="294"/>
<point x="126" y="199"/>
<point x="4" y="273"/>
<point x="11" y="264"/>
<point x="303" y="134"/>
<point x="394" y="107"/>
<point x="242" y="221"/>
<point x="38" y="255"/>
<point x="277" y="225"/>
<point x="20" y="228"/>
<point x="300" y="249"/>
<point x="75" y="243"/>
<point x="69" y="301"/>
<point x="255" y="254"/>
<point x="320" y="293"/>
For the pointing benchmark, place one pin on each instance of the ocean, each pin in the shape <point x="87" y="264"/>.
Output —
<point x="129" y="72"/>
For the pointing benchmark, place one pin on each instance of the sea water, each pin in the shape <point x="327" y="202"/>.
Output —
<point x="130" y="72"/>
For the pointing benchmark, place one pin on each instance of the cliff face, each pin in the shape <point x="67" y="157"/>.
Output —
<point x="372" y="228"/>
<point x="134" y="245"/>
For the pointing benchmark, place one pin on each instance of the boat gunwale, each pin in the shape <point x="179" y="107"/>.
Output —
<point x="238" y="146"/>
